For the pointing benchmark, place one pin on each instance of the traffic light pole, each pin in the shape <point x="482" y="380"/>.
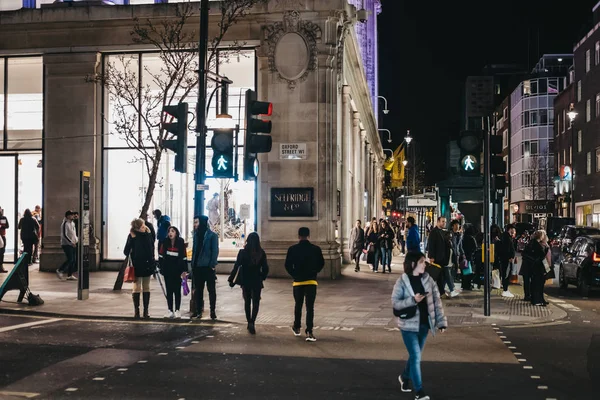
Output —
<point x="486" y="224"/>
<point x="200" y="175"/>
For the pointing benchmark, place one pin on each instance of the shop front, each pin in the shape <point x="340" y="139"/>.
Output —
<point x="532" y="211"/>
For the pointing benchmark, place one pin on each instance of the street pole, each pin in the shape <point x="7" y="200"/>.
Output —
<point x="486" y="223"/>
<point x="200" y="175"/>
<point x="574" y="151"/>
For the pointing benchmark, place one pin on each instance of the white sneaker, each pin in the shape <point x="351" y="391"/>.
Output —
<point x="169" y="314"/>
<point x="71" y="278"/>
<point x="177" y="314"/>
<point x="454" y="293"/>
<point x="508" y="294"/>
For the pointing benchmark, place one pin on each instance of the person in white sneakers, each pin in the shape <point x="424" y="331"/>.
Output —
<point x="440" y="253"/>
<point x="506" y="254"/>
<point x="172" y="258"/>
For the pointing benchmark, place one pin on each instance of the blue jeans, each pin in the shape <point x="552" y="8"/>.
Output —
<point x="414" y="342"/>
<point x="386" y="258"/>
<point x="376" y="257"/>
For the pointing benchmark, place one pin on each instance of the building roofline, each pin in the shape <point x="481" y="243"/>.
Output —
<point x="596" y="6"/>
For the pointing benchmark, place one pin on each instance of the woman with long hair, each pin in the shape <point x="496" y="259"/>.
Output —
<point x="172" y="259"/>
<point x="536" y="256"/>
<point x="416" y="296"/>
<point x="373" y="247"/>
<point x="249" y="271"/>
<point x="140" y="247"/>
<point x="386" y="242"/>
<point x="29" y="234"/>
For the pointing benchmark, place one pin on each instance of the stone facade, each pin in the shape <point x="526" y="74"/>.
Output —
<point x="320" y="94"/>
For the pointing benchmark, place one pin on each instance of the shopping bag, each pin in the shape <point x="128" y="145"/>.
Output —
<point x="496" y="282"/>
<point x="129" y="272"/>
<point x="184" y="286"/>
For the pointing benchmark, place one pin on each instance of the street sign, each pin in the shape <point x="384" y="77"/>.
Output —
<point x="244" y="211"/>
<point x="292" y="151"/>
<point x="201" y="187"/>
<point x="83" y="246"/>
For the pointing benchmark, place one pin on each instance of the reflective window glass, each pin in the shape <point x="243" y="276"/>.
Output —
<point x="25" y="103"/>
<point x="2" y="103"/>
<point x="122" y="104"/>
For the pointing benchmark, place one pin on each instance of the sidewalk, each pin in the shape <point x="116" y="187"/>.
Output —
<point x="356" y="300"/>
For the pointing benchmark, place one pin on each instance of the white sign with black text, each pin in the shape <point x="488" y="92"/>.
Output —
<point x="292" y="151"/>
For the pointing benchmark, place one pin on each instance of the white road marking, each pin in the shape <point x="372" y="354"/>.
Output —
<point x="162" y="354"/>
<point x="538" y="325"/>
<point x="512" y="347"/>
<point x="502" y="337"/>
<point x="179" y="348"/>
<point x="543" y="387"/>
<point x="28" y="324"/>
<point x="195" y="342"/>
<point x="210" y="336"/>
<point x="98" y="378"/>
<point x="521" y="360"/>
<point x="26" y="395"/>
<point x="506" y="342"/>
<point x="517" y="354"/>
<point x="586" y="322"/>
<point x="122" y="369"/>
<point x="71" y="389"/>
<point x="142" y="362"/>
<point x="527" y="367"/>
<point x="536" y="377"/>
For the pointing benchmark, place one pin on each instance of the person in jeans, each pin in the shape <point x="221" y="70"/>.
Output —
<point x="141" y="249"/>
<point x="254" y="270"/>
<point x="415" y="288"/>
<point x="172" y="257"/>
<point x="386" y="243"/>
<point x="439" y="252"/>
<point x="303" y="262"/>
<point x="68" y="242"/>
<point x="205" y="252"/>
<point x="4" y="225"/>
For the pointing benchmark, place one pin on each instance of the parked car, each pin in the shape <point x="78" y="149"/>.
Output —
<point x="554" y="225"/>
<point x="569" y="233"/>
<point x="581" y="265"/>
<point x="522" y="227"/>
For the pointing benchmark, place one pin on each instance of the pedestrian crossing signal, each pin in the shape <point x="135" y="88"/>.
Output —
<point x="222" y="147"/>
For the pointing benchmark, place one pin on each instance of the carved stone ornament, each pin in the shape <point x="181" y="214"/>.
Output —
<point x="292" y="48"/>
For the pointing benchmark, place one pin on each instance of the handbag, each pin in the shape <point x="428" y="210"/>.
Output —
<point x="129" y="275"/>
<point x="236" y="279"/>
<point x="467" y="271"/>
<point x="1" y="243"/>
<point x="184" y="286"/>
<point x="496" y="283"/>
<point x="464" y="264"/>
<point x="406" y="313"/>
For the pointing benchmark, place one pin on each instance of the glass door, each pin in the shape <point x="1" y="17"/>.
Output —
<point x="8" y="202"/>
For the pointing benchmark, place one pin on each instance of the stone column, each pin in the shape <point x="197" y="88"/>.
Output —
<point x="362" y="175"/>
<point x="348" y="174"/>
<point x="71" y="126"/>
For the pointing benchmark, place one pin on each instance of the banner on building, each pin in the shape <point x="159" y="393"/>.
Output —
<point x="397" y="171"/>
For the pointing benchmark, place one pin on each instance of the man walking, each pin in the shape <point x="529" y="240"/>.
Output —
<point x="439" y="252"/>
<point x="205" y="252"/>
<point x="68" y="242"/>
<point x="163" y="222"/>
<point x="356" y="244"/>
<point x="413" y="240"/>
<point x="506" y="256"/>
<point x="4" y="225"/>
<point x="303" y="262"/>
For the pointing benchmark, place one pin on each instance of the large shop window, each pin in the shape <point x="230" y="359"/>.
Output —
<point x="2" y="103"/>
<point x="228" y="204"/>
<point x="24" y="103"/>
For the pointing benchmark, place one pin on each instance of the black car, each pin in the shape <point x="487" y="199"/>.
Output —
<point x="581" y="265"/>
<point x="522" y="227"/>
<point x="569" y="233"/>
<point x="554" y="225"/>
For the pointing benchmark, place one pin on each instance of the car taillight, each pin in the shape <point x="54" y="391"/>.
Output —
<point x="596" y="258"/>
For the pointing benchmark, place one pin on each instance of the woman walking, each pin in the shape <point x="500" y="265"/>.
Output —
<point x="535" y="258"/>
<point x="173" y="266"/>
<point x="140" y="247"/>
<point x="386" y="243"/>
<point x="250" y="269"/>
<point x="373" y="246"/>
<point x="469" y="246"/>
<point x="29" y="234"/>
<point x="416" y="294"/>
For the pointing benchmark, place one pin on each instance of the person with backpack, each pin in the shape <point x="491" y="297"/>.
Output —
<point x="172" y="257"/>
<point x="140" y="248"/>
<point x="249" y="271"/>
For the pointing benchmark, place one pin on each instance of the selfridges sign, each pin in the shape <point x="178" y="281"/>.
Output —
<point x="530" y="207"/>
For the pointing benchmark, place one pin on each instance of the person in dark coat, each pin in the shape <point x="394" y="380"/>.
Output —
<point x="356" y="244"/>
<point x="469" y="246"/>
<point x="140" y="248"/>
<point x="373" y="247"/>
<point x="439" y="253"/>
<point x="29" y="228"/>
<point x="172" y="257"/>
<point x="303" y="262"/>
<point x="250" y="269"/>
<point x="386" y="243"/>
<point x="506" y="254"/>
<point x="534" y="255"/>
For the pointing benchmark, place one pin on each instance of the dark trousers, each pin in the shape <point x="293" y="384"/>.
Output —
<point x="28" y="248"/>
<point x="202" y="276"/>
<point x="465" y="282"/>
<point x="403" y="245"/>
<point x="173" y="289"/>
<point x="251" y="301"/>
<point x="300" y="293"/>
<point x="505" y="271"/>
<point x="2" y="250"/>
<point x="527" y="286"/>
<point x="356" y="255"/>
<point x="445" y="278"/>
<point x="537" y="289"/>
<point x="68" y="266"/>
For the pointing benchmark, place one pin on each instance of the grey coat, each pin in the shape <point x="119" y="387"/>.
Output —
<point x="357" y="240"/>
<point x="403" y="296"/>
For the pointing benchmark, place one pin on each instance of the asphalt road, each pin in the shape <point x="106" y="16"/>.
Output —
<point x="81" y="359"/>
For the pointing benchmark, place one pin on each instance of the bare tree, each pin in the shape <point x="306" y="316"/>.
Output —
<point x="540" y="172"/>
<point x="137" y="104"/>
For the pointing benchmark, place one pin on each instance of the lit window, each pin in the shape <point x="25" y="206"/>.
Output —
<point x="598" y="159"/>
<point x="579" y="91"/>
<point x="597" y="105"/>
<point x="588" y="61"/>
<point x="589" y="163"/>
<point x="597" y="54"/>
<point x="579" y="141"/>
<point x="588" y="110"/>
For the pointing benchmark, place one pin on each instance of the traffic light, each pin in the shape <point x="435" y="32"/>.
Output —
<point x="257" y="138"/>
<point x="222" y="160"/>
<point x="180" y="130"/>
<point x="470" y="152"/>
<point x="497" y="166"/>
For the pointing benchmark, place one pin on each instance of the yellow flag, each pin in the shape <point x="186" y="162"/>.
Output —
<point x="398" y="167"/>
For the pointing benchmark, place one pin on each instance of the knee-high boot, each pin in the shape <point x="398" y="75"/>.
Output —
<point x="136" y="304"/>
<point x="146" y="304"/>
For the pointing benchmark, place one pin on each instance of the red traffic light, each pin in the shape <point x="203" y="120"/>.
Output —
<point x="261" y="108"/>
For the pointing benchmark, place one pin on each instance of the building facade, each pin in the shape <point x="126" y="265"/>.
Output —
<point x="586" y="160"/>
<point x="531" y="139"/>
<point x="566" y="141"/>
<point x="304" y="57"/>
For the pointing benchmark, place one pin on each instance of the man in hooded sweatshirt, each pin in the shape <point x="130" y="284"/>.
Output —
<point x="204" y="261"/>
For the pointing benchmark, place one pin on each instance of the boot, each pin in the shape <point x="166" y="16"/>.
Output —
<point x="146" y="303"/>
<point x="136" y="305"/>
<point x="213" y="314"/>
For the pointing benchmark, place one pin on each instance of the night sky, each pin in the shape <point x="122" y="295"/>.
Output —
<point x="427" y="49"/>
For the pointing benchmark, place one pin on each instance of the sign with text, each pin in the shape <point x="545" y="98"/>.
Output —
<point x="292" y="151"/>
<point x="292" y="202"/>
<point x="83" y="246"/>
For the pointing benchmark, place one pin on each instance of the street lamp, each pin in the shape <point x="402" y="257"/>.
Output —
<point x="385" y="108"/>
<point x="408" y="138"/>
<point x="388" y="132"/>
<point x="572" y="114"/>
<point x="405" y="163"/>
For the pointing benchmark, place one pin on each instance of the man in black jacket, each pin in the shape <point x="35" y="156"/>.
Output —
<point x="506" y="256"/>
<point x="303" y="262"/>
<point x="440" y="246"/>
